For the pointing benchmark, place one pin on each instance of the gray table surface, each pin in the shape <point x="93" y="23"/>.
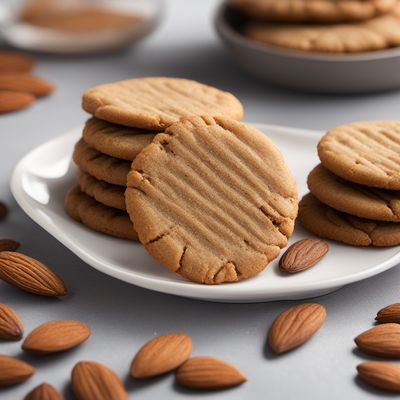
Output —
<point x="123" y="316"/>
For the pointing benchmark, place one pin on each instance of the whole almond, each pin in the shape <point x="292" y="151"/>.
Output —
<point x="95" y="381"/>
<point x="15" y="62"/>
<point x="389" y="313"/>
<point x="381" y="340"/>
<point x="9" y="245"/>
<point x="383" y="375"/>
<point x="27" y="83"/>
<point x="303" y="255"/>
<point x="161" y="354"/>
<point x="55" y="336"/>
<point x="44" y="392"/>
<point x="14" y="371"/>
<point x="3" y="210"/>
<point x="30" y="275"/>
<point x="11" y="327"/>
<point x="14" y="101"/>
<point x="295" y="326"/>
<point x="208" y="373"/>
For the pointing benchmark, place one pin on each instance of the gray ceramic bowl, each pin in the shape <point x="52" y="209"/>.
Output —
<point x="312" y="72"/>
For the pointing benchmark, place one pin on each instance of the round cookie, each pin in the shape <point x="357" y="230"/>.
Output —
<point x="379" y="33"/>
<point x="328" y="223"/>
<point x="105" y="168"/>
<point x="322" y="11"/>
<point x="354" y="199"/>
<point x="116" y="140"/>
<point x="98" y="217"/>
<point x="104" y="193"/>
<point x="367" y="153"/>
<point x="157" y="102"/>
<point x="212" y="199"/>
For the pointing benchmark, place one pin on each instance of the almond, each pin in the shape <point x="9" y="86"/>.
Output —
<point x="9" y="245"/>
<point x="30" y="275"/>
<point x="15" y="62"/>
<point x="3" y="210"/>
<point x="381" y="340"/>
<point x="390" y="313"/>
<point x="25" y="83"/>
<point x="14" y="371"/>
<point x="383" y="375"/>
<point x="11" y="327"/>
<point x="295" y="326"/>
<point x="303" y="255"/>
<point x="161" y="354"/>
<point x="13" y="101"/>
<point x="44" y="392"/>
<point x="208" y="373"/>
<point x="55" y="336"/>
<point x="95" y="381"/>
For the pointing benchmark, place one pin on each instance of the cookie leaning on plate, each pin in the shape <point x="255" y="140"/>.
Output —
<point x="157" y="102"/>
<point x="212" y="199"/>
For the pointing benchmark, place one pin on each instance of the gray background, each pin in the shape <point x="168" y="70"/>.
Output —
<point x="122" y="316"/>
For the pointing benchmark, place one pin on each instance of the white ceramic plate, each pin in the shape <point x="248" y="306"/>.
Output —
<point x="42" y="177"/>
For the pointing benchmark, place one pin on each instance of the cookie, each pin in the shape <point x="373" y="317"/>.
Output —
<point x="157" y="102"/>
<point x="212" y="199"/>
<point x="116" y="140"/>
<point x="376" y="34"/>
<point x="98" y="217"/>
<point x="328" y="223"/>
<point x="322" y="11"/>
<point x="367" y="153"/>
<point x="354" y="199"/>
<point x="105" y="168"/>
<point x="104" y="193"/>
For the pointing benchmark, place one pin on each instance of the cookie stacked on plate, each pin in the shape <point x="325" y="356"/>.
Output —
<point x="327" y="26"/>
<point x="355" y="191"/>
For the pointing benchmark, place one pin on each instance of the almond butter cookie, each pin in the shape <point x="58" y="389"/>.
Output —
<point x="367" y="153"/>
<point x="354" y="199"/>
<point x="212" y="199"/>
<point x="329" y="223"/>
<point x="157" y="102"/>
<point x="97" y="216"/>
<point x="116" y="140"/>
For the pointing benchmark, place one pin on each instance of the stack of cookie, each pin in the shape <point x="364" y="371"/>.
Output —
<point x="327" y="26"/>
<point x="355" y="191"/>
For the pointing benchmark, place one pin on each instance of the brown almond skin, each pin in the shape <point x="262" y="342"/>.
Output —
<point x="56" y="336"/>
<point x="95" y="381"/>
<point x="295" y="326"/>
<point x="380" y="374"/>
<point x="3" y="210"/>
<point x="389" y="313"/>
<point x="302" y="255"/>
<point x="13" y="371"/>
<point x="27" y="83"/>
<point x="11" y="326"/>
<point x="44" y="392"/>
<point x="381" y="340"/>
<point x="9" y="245"/>
<point x="14" y="101"/>
<point x="208" y="373"/>
<point x="161" y="354"/>
<point x="15" y="62"/>
<point x="30" y="275"/>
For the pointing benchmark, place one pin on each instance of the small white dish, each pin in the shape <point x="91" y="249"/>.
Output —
<point x="42" y="177"/>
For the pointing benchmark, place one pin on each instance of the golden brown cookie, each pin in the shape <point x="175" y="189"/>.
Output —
<point x="103" y="192"/>
<point x="157" y="102"/>
<point x="321" y="11"/>
<point x="105" y="168"/>
<point x="212" y="199"/>
<point x="116" y="140"/>
<point x="367" y="153"/>
<point x="328" y="223"/>
<point x="379" y="33"/>
<point x="98" y="217"/>
<point x="354" y="199"/>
